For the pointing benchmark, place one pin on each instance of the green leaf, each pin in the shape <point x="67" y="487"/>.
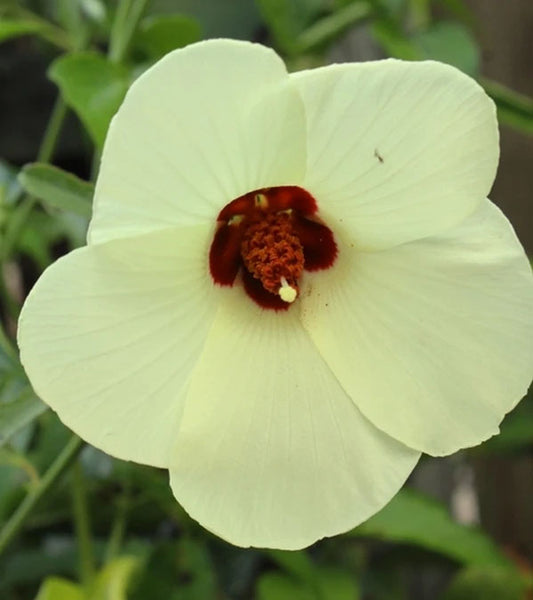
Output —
<point x="187" y="561"/>
<point x="450" y="43"/>
<point x="326" y="582"/>
<point x="93" y="87"/>
<point x="57" y="188"/>
<point x="275" y="586"/>
<point x="14" y="28"/>
<point x="159" y="35"/>
<point x="41" y="233"/>
<point x="488" y="584"/>
<point x="10" y="192"/>
<point x="514" y="109"/>
<point x="7" y="364"/>
<point x="55" y="588"/>
<point x="13" y="381"/>
<point x="415" y="519"/>
<point x="297" y="564"/>
<point x="286" y="20"/>
<point x="331" y="27"/>
<point x="18" y="413"/>
<point x="9" y="187"/>
<point x="336" y="584"/>
<point x="113" y="581"/>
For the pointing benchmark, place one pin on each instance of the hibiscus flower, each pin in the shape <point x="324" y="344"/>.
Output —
<point x="293" y="286"/>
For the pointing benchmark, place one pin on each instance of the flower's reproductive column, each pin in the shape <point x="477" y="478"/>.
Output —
<point x="271" y="236"/>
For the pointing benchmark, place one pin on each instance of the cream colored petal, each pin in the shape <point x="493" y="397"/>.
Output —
<point x="271" y="452"/>
<point x="109" y="336"/>
<point x="397" y="150"/>
<point x="433" y="340"/>
<point x="205" y="125"/>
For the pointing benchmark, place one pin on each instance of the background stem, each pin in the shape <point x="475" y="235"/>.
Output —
<point x="54" y="472"/>
<point x="124" y="25"/>
<point x="53" y="129"/>
<point x="82" y="526"/>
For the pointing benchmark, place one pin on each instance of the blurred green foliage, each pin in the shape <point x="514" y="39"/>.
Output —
<point x="93" y="87"/>
<point x="413" y="519"/>
<point x="489" y="584"/>
<point x="113" y="531"/>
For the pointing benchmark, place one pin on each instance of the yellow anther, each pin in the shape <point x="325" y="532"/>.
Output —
<point x="261" y="201"/>
<point x="235" y="220"/>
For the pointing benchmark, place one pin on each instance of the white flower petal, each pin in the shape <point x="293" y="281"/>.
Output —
<point x="110" y="334"/>
<point x="205" y="125"/>
<point x="432" y="339"/>
<point x="271" y="452"/>
<point x="397" y="150"/>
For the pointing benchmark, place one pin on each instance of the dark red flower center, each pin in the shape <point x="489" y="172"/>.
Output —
<point x="271" y="235"/>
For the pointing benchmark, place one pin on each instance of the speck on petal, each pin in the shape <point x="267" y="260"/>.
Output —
<point x="110" y="334"/>
<point x="397" y="150"/>
<point x="271" y="452"/>
<point x="432" y="339"/>
<point x="203" y="126"/>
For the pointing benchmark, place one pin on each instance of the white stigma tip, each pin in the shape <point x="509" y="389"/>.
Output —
<point x="286" y="292"/>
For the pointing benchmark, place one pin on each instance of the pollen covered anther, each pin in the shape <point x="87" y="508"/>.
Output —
<point x="271" y="235"/>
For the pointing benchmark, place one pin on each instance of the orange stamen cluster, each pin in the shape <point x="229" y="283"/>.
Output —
<point x="272" y="251"/>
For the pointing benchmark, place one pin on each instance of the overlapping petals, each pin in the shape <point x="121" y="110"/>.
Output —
<point x="431" y="340"/>
<point x="279" y="428"/>
<point x="271" y="451"/>
<point x="202" y="127"/>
